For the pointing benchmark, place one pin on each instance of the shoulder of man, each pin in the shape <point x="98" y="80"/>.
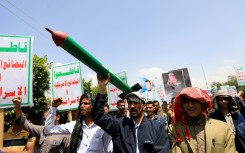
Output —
<point x="152" y="124"/>
<point x="216" y="122"/>
<point x="241" y="127"/>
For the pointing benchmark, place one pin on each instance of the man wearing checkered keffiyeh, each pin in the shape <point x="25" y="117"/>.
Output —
<point x="192" y="131"/>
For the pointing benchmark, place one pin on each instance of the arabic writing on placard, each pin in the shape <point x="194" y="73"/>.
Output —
<point x="14" y="48"/>
<point x="240" y="74"/>
<point x="15" y="69"/>
<point x="18" y="92"/>
<point x="12" y="64"/>
<point x="114" y="91"/>
<point x="70" y="72"/>
<point x="70" y="101"/>
<point x="67" y="83"/>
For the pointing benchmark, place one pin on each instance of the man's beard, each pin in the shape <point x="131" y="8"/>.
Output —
<point x="135" y="115"/>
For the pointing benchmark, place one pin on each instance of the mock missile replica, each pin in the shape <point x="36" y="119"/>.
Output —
<point x="67" y="43"/>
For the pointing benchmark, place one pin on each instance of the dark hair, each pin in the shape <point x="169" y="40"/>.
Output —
<point x="164" y="102"/>
<point x="232" y="107"/>
<point x="63" y="117"/>
<point x="106" y="105"/>
<point x="243" y="94"/>
<point x="58" y="112"/>
<point x="148" y="81"/>
<point x="150" y="102"/>
<point x="155" y="101"/>
<point x="45" y="104"/>
<point x="77" y="133"/>
<point x="120" y="101"/>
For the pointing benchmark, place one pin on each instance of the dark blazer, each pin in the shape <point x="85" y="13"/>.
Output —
<point x="240" y="138"/>
<point x="237" y="118"/>
<point x="152" y="137"/>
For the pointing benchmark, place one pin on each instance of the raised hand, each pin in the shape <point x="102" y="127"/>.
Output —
<point x="17" y="104"/>
<point x="56" y="102"/>
<point x="17" y="101"/>
<point x="102" y="82"/>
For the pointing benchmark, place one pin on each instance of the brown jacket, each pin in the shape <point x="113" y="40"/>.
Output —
<point x="219" y="138"/>
<point x="48" y="143"/>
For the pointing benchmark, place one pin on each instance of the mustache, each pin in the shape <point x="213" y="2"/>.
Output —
<point x="132" y="110"/>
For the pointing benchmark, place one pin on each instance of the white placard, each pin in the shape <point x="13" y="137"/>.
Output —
<point x="67" y="83"/>
<point x="15" y="69"/>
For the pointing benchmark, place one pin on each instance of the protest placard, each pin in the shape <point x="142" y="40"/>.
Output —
<point x="67" y="84"/>
<point x="113" y="91"/>
<point x="15" y="69"/>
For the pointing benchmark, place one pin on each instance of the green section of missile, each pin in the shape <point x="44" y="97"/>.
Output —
<point x="67" y="43"/>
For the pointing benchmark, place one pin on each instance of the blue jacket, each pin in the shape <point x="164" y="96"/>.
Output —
<point x="152" y="137"/>
<point x="237" y="118"/>
<point x="240" y="138"/>
<point x="241" y="105"/>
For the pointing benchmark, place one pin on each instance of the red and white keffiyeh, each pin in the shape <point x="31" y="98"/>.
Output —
<point x="178" y="114"/>
<point x="192" y="93"/>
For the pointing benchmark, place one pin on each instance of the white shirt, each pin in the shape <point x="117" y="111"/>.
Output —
<point x="95" y="140"/>
<point x="136" y="126"/>
<point x="230" y="123"/>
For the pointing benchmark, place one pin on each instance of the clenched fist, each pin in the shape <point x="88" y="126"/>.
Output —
<point x="56" y="102"/>
<point x="17" y="100"/>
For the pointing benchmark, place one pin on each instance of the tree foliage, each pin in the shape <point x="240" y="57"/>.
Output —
<point x="41" y="82"/>
<point x="231" y="81"/>
<point x="41" y="76"/>
<point x="89" y="88"/>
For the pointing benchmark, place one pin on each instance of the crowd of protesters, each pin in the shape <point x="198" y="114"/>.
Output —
<point x="192" y="122"/>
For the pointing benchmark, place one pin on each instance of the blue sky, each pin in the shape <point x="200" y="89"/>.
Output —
<point x="141" y="37"/>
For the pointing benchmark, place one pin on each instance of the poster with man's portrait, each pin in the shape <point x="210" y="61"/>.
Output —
<point x="174" y="81"/>
<point x="152" y="89"/>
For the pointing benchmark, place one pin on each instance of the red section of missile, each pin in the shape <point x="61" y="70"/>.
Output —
<point x="59" y="37"/>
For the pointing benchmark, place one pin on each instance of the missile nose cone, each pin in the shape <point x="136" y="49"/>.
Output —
<point x="59" y="37"/>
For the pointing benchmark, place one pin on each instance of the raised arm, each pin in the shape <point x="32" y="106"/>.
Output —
<point x="17" y="105"/>
<point x="50" y="127"/>
<point x="29" y="147"/>
<point x="50" y="118"/>
<point x="107" y="122"/>
<point x="22" y="120"/>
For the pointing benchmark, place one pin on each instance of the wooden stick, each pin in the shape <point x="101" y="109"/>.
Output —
<point x="1" y="126"/>
<point x="69" y="116"/>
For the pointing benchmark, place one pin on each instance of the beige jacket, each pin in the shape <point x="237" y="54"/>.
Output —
<point x="219" y="138"/>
